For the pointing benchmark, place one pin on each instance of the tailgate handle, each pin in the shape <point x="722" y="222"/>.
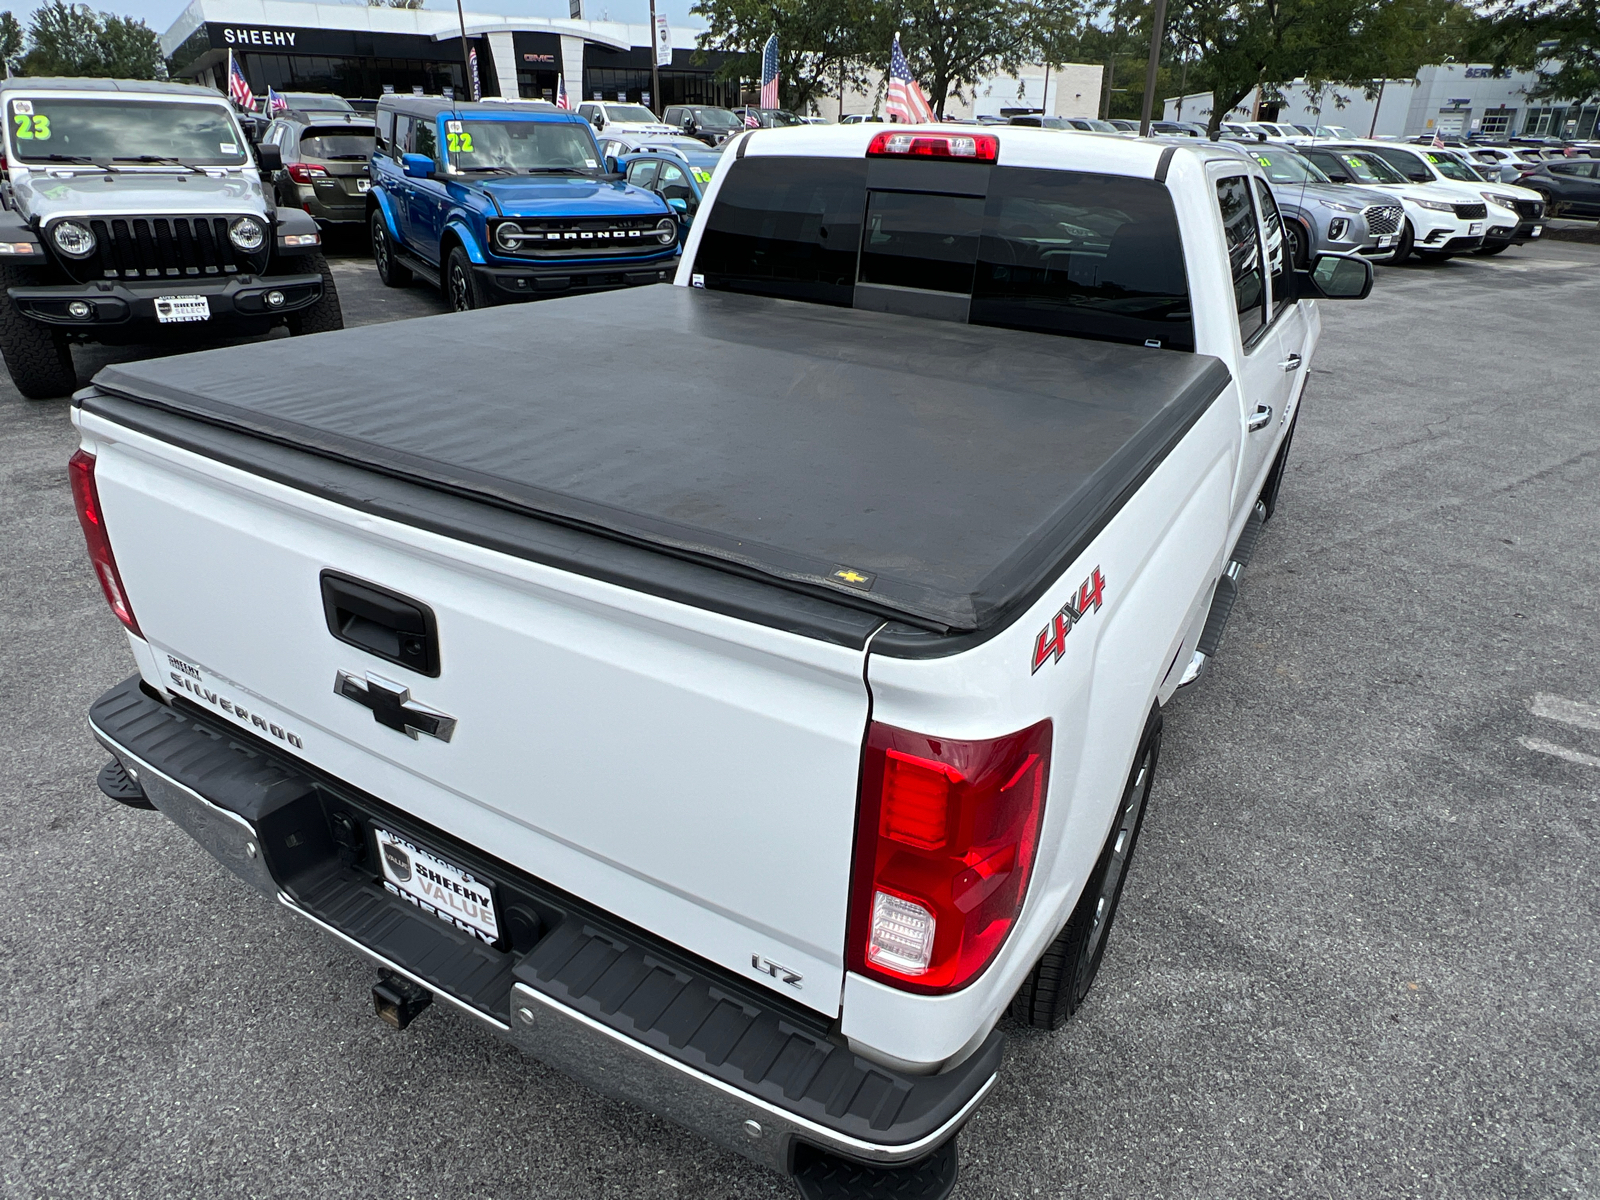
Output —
<point x="382" y="622"/>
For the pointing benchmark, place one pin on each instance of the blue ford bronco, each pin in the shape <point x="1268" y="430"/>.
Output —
<point x="497" y="202"/>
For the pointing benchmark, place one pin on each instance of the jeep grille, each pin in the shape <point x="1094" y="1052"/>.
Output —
<point x="164" y="248"/>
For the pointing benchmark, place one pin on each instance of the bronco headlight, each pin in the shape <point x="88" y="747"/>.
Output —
<point x="247" y="233"/>
<point x="73" y="239"/>
<point x="666" y="231"/>
<point x="508" y="236"/>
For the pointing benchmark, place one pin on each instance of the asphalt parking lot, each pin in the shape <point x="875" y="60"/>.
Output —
<point x="1357" y="953"/>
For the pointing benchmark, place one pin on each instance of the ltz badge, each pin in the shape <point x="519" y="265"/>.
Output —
<point x="1052" y="640"/>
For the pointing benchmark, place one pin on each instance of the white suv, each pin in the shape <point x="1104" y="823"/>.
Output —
<point x="1515" y="214"/>
<point x="1439" y="222"/>
<point x="619" y="117"/>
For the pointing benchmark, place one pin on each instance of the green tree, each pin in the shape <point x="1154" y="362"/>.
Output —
<point x="10" y="41"/>
<point x="129" y="49"/>
<point x="820" y="43"/>
<point x="1559" y="39"/>
<point x="73" y="39"/>
<point x="951" y="44"/>
<point x="63" y="39"/>
<point x="1239" y="45"/>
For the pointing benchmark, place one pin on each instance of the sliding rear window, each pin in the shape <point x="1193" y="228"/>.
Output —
<point x="1064" y="252"/>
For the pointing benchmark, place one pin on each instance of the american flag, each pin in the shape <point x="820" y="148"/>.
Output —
<point x="275" y="101"/>
<point x="1438" y="142"/>
<point x="238" y="86"/>
<point x="562" y="100"/>
<point x="473" y="83"/>
<point x="769" y="73"/>
<point x="906" y="101"/>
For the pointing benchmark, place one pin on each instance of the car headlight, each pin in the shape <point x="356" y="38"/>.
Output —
<point x="73" y="239"/>
<point x="666" y="231"/>
<point x="247" y="233"/>
<point x="1337" y="207"/>
<point x="508" y="236"/>
<point x="1500" y="198"/>
<point x="1437" y="206"/>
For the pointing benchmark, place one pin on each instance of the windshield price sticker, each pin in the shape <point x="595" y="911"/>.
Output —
<point x="458" y="143"/>
<point x="36" y="128"/>
<point x="701" y="175"/>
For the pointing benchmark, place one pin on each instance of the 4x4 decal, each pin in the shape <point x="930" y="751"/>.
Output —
<point x="1052" y="640"/>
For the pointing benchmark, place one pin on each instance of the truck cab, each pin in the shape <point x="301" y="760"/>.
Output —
<point x="501" y="202"/>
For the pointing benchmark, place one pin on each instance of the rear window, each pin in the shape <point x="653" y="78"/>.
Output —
<point x="1063" y="252"/>
<point x="337" y="143"/>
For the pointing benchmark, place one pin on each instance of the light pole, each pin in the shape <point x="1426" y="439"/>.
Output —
<point x="1157" y="28"/>
<point x="655" y="61"/>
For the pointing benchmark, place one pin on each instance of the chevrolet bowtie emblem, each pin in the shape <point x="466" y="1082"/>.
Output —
<point x="392" y="706"/>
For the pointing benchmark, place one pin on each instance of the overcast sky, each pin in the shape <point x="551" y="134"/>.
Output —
<point x="159" y="14"/>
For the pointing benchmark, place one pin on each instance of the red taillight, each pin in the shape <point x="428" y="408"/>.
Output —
<point x="81" y="470"/>
<point x="305" y="172"/>
<point x="963" y="147"/>
<point x="945" y="839"/>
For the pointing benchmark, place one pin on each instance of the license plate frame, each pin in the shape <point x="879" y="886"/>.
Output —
<point x="1537" y="230"/>
<point x="363" y="185"/>
<point x="435" y="885"/>
<point x="1385" y="240"/>
<point x="1475" y="229"/>
<point x="178" y="310"/>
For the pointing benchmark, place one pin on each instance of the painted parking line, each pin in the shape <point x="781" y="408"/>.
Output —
<point x="1550" y="748"/>
<point x="1568" y="712"/>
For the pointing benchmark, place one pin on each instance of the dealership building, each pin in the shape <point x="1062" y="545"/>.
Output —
<point x="354" y="50"/>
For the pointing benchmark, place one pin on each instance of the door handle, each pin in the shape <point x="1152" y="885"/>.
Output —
<point x="1292" y="363"/>
<point x="1259" y="418"/>
<point x="381" y="622"/>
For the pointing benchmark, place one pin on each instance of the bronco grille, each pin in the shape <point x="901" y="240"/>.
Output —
<point x="1472" y="212"/>
<point x="580" y="238"/>
<point x="1383" y="218"/>
<point x="164" y="248"/>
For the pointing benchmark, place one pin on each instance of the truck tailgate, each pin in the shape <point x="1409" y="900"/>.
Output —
<point x="691" y="772"/>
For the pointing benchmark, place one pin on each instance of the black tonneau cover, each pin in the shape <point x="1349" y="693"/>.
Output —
<point x="937" y="472"/>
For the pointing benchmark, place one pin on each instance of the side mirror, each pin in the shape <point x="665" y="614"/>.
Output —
<point x="680" y="206"/>
<point x="417" y="166"/>
<point x="269" y="158"/>
<point x="1336" y="277"/>
<point x="613" y="167"/>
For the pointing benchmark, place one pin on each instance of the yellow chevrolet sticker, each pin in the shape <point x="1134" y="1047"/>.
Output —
<point x="852" y="577"/>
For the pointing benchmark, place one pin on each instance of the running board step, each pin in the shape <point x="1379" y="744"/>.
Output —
<point x="1245" y="548"/>
<point x="1222" y="601"/>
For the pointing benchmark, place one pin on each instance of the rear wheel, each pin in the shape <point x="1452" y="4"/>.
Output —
<point x="389" y="270"/>
<point x="325" y="315"/>
<point x="1059" y="982"/>
<point x="38" y="357"/>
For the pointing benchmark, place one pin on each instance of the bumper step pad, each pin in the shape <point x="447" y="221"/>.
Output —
<point x="777" y="1077"/>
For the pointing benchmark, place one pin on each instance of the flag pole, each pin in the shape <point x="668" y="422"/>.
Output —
<point x="1157" y="28"/>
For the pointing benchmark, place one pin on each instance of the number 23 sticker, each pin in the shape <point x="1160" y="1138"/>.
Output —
<point x="35" y="127"/>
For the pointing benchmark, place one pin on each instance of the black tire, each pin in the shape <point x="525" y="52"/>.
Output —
<point x="38" y="357"/>
<point x="389" y="270"/>
<point x="1497" y="248"/>
<point x="461" y="291"/>
<point x="1402" y="250"/>
<point x="1064" y="974"/>
<point x="325" y="315"/>
<point x="1274" y="483"/>
<point x="1299" y="258"/>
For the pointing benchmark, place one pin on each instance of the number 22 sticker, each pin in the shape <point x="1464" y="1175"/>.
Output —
<point x="458" y="143"/>
<point x="34" y="127"/>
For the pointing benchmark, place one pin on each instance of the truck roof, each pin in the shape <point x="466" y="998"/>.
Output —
<point x="938" y="473"/>
<point x="30" y="83"/>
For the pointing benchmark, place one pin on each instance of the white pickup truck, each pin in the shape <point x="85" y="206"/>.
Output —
<point x="747" y="711"/>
